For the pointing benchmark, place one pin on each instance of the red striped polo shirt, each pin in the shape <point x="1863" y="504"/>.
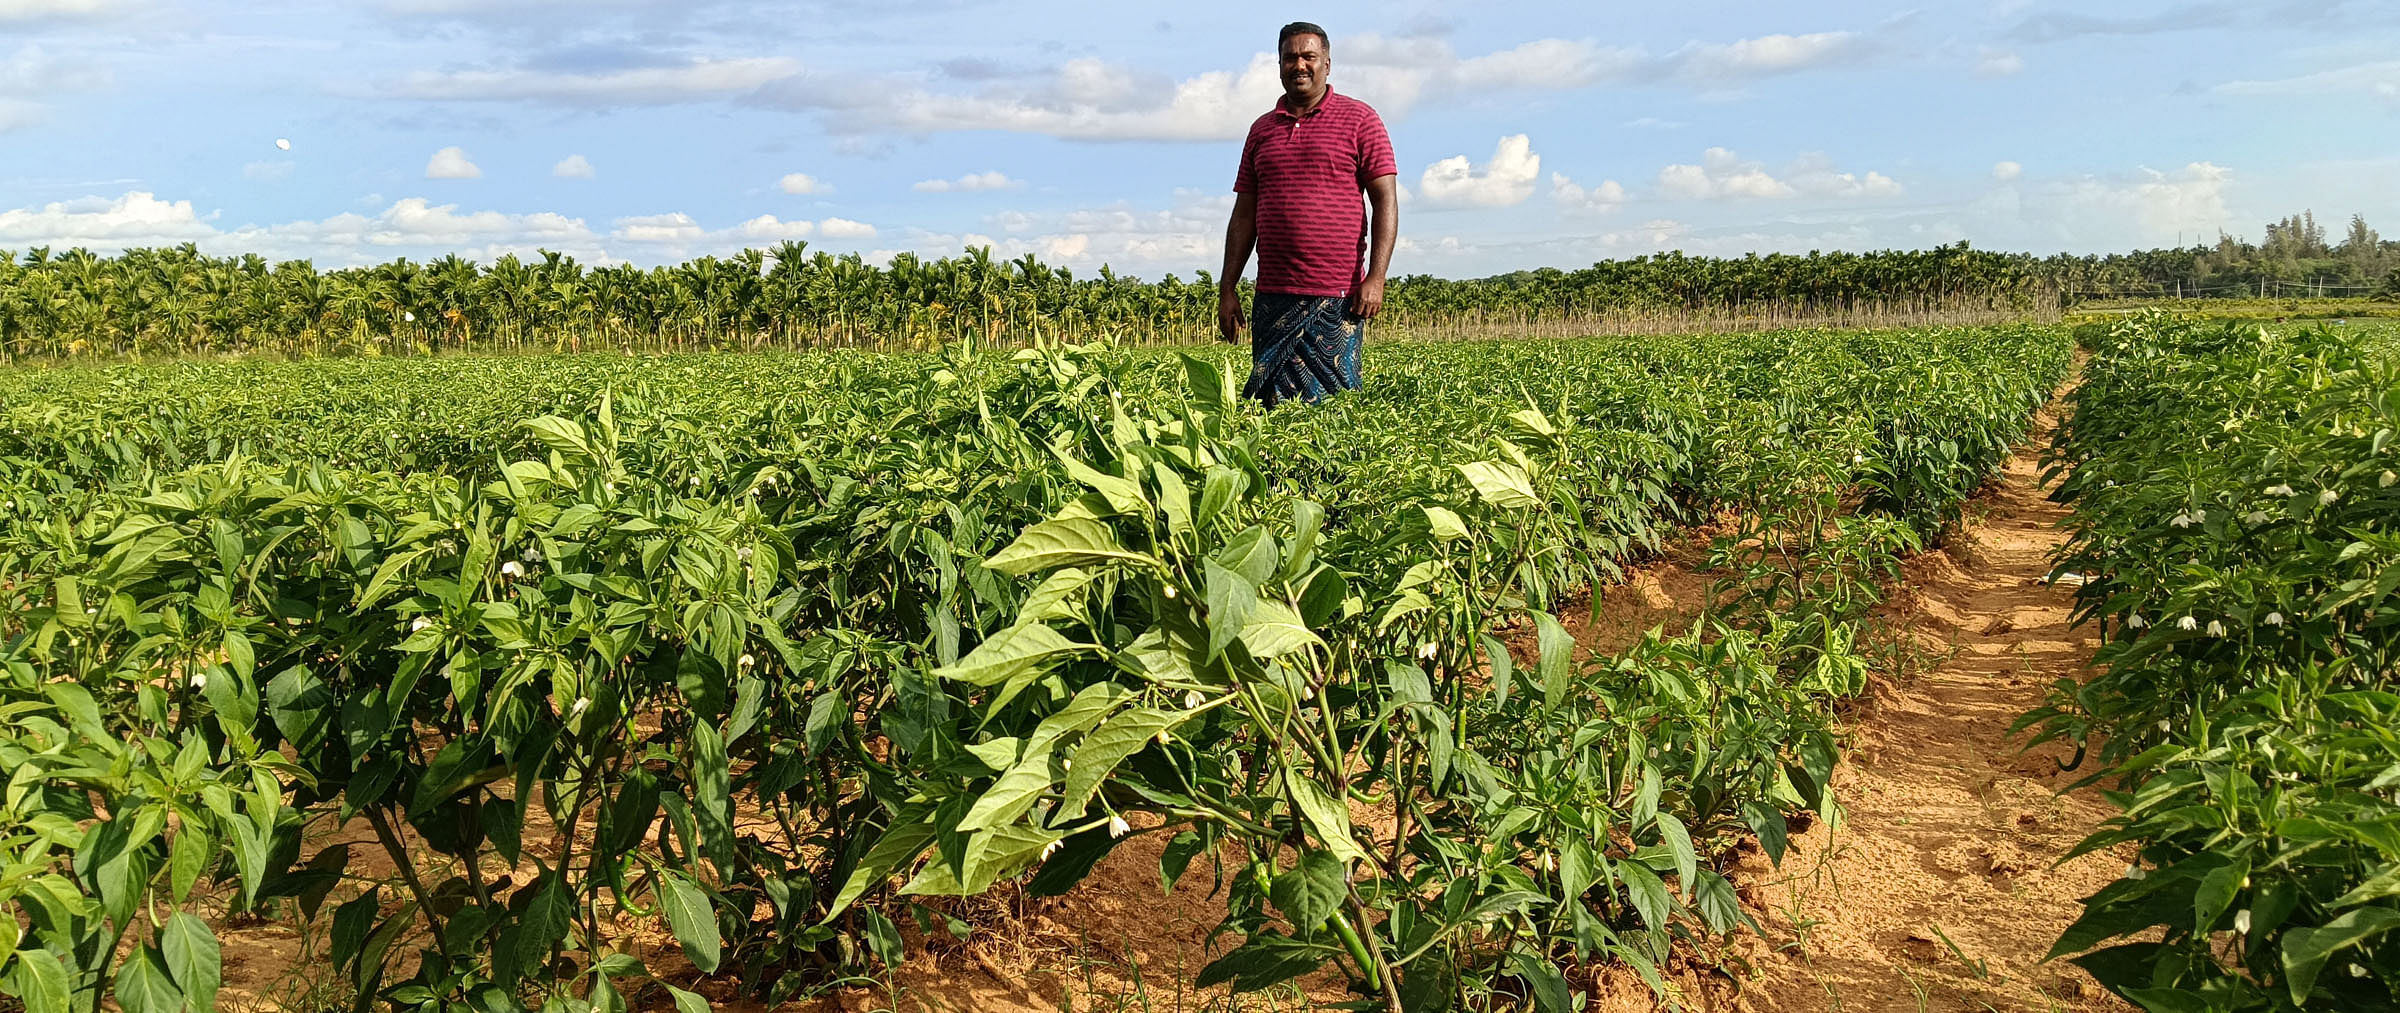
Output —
<point x="1308" y="172"/>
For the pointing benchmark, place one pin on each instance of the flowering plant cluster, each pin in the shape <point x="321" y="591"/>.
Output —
<point x="2234" y="506"/>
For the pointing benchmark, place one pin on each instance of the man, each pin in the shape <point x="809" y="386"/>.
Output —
<point x="1297" y="201"/>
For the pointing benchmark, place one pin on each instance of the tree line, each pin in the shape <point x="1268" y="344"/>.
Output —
<point x="179" y="301"/>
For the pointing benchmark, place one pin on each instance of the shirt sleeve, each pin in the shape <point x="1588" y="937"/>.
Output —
<point x="1247" y="177"/>
<point x="1375" y="157"/>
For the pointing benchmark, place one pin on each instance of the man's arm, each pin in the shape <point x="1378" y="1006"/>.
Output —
<point x="1241" y="234"/>
<point x="1383" y="229"/>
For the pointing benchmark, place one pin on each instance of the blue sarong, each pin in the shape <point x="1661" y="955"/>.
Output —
<point x="1302" y="347"/>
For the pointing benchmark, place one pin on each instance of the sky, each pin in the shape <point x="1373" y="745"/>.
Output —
<point x="1529" y="134"/>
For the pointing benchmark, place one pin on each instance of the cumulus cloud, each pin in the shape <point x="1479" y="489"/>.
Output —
<point x="573" y="167"/>
<point x="452" y="163"/>
<point x="969" y="183"/>
<point x="1724" y="175"/>
<point x="16" y="114"/>
<point x="2159" y="203"/>
<point x="138" y="218"/>
<point x="843" y="228"/>
<point x="766" y="229"/>
<point x="1608" y="196"/>
<point x="1999" y="63"/>
<point x="2007" y="171"/>
<point x="803" y="184"/>
<point x="1094" y="100"/>
<point x="694" y="80"/>
<point x="675" y="227"/>
<point x="1504" y="181"/>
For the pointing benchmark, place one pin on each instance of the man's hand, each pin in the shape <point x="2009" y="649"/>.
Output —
<point x="1368" y="300"/>
<point x="1229" y="314"/>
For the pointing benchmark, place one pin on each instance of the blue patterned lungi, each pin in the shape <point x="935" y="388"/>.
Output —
<point x="1302" y="346"/>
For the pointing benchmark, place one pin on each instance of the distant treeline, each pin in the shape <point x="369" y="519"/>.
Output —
<point x="159" y="302"/>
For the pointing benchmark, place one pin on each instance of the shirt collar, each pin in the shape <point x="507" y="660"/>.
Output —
<point x="1285" y="111"/>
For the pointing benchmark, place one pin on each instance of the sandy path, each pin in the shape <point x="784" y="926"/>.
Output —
<point x="1952" y="829"/>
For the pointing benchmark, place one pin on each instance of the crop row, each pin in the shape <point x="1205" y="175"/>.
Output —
<point x="780" y="650"/>
<point x="2235" y="491"/>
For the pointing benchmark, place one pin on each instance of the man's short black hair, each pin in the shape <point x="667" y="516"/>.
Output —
<point x="1302" y="28"/>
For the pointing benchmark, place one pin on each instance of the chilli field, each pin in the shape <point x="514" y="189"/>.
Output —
<point x="603" y="682"/>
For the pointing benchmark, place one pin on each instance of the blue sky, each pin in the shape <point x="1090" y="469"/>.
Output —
<point x="1529" y="134"/>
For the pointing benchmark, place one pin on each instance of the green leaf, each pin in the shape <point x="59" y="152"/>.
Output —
<point x="1648" y="894"/>
<point x="1767" y="822"/>
<point x="1230" y="597"/>
<point x="1325" y="815"/>
<point x="883" y="938"/>
<point x="692" y="918"/>
<point x="1550" y="991"/>
<point x="992" y="855"/>
<point x="689" y="1002"/>
<point x="1714" y="898"/>
<point x="41" y="981"/>
<point x="1502" y="484"/>
<point x="1275" y="629"/>
<point x="1013" y="793"/>
<point x="1309" y="892"/>
<point x="1444" y="523"/>
<point x="1100" y="752"/>
<point x="2306" y="950"/>
<point x="910" y="834"/>
<point x="143" y="985"/>
<point x="1262" y="960"/>
<point x="1008" y="655"/>
<point x="1056" y="544"/>
<point x="545" y="921"/>
<point x="2216" y="893"/>
<point x="193" y="957"/>
<point x="1678" y="840"/>
<point x="1556" y="660"/>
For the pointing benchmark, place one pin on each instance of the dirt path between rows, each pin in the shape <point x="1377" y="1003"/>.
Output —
<point x="1941" y="890"/>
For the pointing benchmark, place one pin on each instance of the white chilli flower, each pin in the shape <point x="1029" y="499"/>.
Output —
<point x="1427" y="651"/>
<point x="512" y="568"/>
<point x="2135" y="621"/>
<point x="2241" y="921"/>
<point x="1170" y="591"/>
<point x="2187" y="623"/>
<point x="1117" y="827"/>
<point x="2388" y="478"/>
<point x="2274" y="618"/>
<point x="1193" y="699"/>
<point x="531" y="555"/>
<point x="2280" y="490"/>
<point x="199" y="680"/>
<point x="420" y="623"/>
<point x="2215" y="628"/>
<point x="2255" y="518"/>
<point x="2358" y="971"/>
<point x="2327" y="497"/>
<point x="2181" y="520"/>
<point x="582" y="703"/>
<point x="748" y="661"/>
<point x="1052" y="848"/>
<point x="2136" y="872"/>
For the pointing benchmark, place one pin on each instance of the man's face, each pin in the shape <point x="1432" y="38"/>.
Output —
<point x="1305" y="67"/>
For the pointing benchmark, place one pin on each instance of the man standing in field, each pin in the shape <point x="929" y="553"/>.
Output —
<point x="1296" y="199"/>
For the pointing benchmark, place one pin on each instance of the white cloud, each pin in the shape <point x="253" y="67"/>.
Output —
<point x="803" y="184"/>
<point x="16" y="114"/>
<point x="1091" y="99"/>
<point x="451" y="163"/>
<point x="697" y="80"/>
<point x="2157" y="205"/>
<point x="1999" y="63"/>
<point x="766" y="229"/>
<point x="2007" y="171"/>
<point x="573" y="167"/>
<point x="843" y="228"/>
<point x="269" y="172"/>
<point x="1504" y="181"/>
<point x="138" y="218"/>
<point x="1724" y="175"/>
<point x="19" y="11"/>
<point x="969" y="183"/>
<point x="1721" y="175"/>
<point x="1608" y="196"/>
<point x="675" y="227"/>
